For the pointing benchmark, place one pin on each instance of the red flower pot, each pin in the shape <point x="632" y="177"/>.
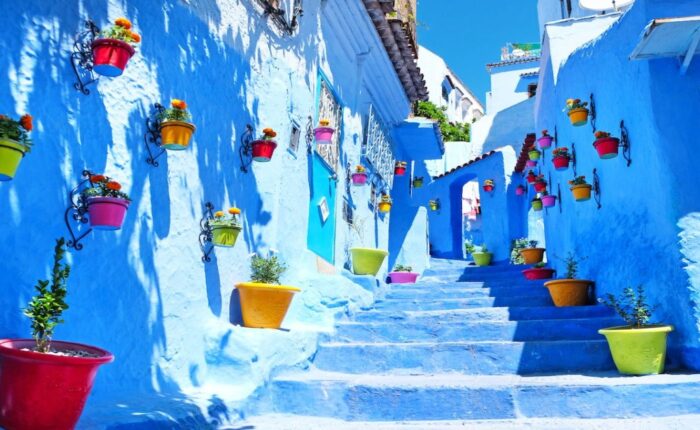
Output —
<point x="540" y="186"/>
<point x="107" y="213"/>
<point x="535" y="273"/>
<point x="560" y="163"/>
<point x="549" y="201"/>
<point x="488" y="188"/>
<point x="109" y="56"/>
<point x="545" y="142"/>
<point x="359" y="178"/>
<point x="45" y="391"/>
<point x="263" y="150"/>
<point x="531" y="179"/>
<point x="520" y="190"/>
<point x="607" y="147"/>
<point x="399" y="171"/>
<point x="531" y="163"/>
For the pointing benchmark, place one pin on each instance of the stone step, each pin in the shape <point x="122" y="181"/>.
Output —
<point x="573" y="329"/>
<point x="429" y="304"/>
<point x="474" y="358"/>
<point x="484" y="314"/>
<point x="453" y="292"/>
<point x="454" y="396"/>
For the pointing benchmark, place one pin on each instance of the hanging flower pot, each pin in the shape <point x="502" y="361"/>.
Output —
<point x="540" y="184"/>
<point x="488" y="185"/>
<point x="545" y="141"/>
<point x="530" y="163"/>
<point x="606" y="146"/>
<point x="367" y="261"/>
<point x="175" y="130"/>
<point x="519" y="190"/>
<point x="418" y="182"/>
<point x="434" y="205"/>
<point x="265" y="146"/>
<point x="112" y="51"/>
<point x="323" y="134"/>
<point x="561" y="158"/>
<point x="538" y="272"/>
<point x="534" y="155"/>
<point x="385" y="204"/>
<point x="224" y="231"/>
<point x="580" y="189"/>
<point x="400" y="168"/>
<point x="531" y="177"/>
<point x="14" y="144"/>
<point x="548" y="201"/>
<point x="403" y="275"/>
<point x="359" y="178"/>
<point x="106" y="203"/>
<point x="577" y="111"/>
<point x="536" y="204"/>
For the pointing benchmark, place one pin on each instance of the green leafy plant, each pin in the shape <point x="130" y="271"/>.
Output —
<point x="579" y="180"/>
<point x="540" y="265"/>
<point x="17" y="130"/>
<point x="571" y="266"/>
<point x="516" y="245"/>
<point x="176" y="112"/>
<point x="483" y="249"/>
<point x="572" y="104"/>
<point x="451" y="131"/>
<point x="632" y="306"/>
<point x="45" y="309"/>
<point x="266" y="270"/>
<point x="561" y="152"/>
<point x="121" y="30"/>
<point x="469" y="247"/>
<point x="104" y="186"/>
<point x="402" y="268"/>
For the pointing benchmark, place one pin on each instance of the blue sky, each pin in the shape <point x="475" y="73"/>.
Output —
<point x="468" y="34"/>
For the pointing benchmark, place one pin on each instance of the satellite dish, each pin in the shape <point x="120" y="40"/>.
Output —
<point x="604" y="5"/>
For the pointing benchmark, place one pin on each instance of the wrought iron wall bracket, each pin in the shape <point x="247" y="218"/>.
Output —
<point x="245" y="151"/>
<point x="625" y="143"/>
<point x="309" y="135"/>
<point x="205" y="232"/>
<point x="556" y="137"/>
<point x="592" y="113"/>
<point x="81" y="57"/>
<point x="573" y="158"/>
<point x="559" y="196"/>
<point x="77" y="212"/>
<point x="152" y="136"/>
<point x="277" y="16"/>
<point x="596" y="188"/>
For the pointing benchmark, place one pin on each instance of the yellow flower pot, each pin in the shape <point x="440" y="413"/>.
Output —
<point x="581" y="192"/>
<point x="11" y="153"/>
<point x="265" y="305"/>
<point x="569" y="292"/>
<point x="638" y="351"/>
<point x="176" y="135"/>
<point x="532" y="255"/>
<point x="578" y="116"/>
<point x="367" y="261"/>
<point x="384" y="207"/>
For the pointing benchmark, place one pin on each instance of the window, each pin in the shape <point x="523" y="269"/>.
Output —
<point x="377" y="148"/>
<point x="329" y="108"/>
<point x="532" y="90"/>
<point x="294" y="138"/>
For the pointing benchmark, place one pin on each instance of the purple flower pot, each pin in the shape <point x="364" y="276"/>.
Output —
<point x="324" y="135"/>
<point x="548" y="201"/>
<point x="359" y="179"/>
<point x="531" y="163"/>
<point x="106" y="213"/>
<point x="545" y="142"/>
<point x="403" y="277"/>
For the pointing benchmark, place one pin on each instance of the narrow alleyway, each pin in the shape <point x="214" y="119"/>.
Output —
<point x="465" y="345"/>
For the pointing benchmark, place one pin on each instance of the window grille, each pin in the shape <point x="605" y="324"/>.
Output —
<point x="330" y="109"/>
<point x="377" y="149"/>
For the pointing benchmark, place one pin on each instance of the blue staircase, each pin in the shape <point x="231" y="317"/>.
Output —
<point x="472" y="347"/>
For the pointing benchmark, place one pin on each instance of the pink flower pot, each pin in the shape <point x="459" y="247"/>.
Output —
<point x="110" y="56"/>
<point x="520" y="190"/>
<point x="106" y="213"/>
<point x="359" y="179"/>
<point x="324" y="135"/>
<point x="549" y="201"/>
<point x="531" y="163"/>
<point x="403" y="277"/>
<point x="607" y="147"/>
<point x="535" y="274"/>
<point x="545" y="142"/>
<point x="560" y="163"/>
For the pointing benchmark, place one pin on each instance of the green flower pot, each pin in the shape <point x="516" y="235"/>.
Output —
<point x="536" y="205"/>
<point x="638" y="351"/>
<point x="367" y="261"/>
<point x="11" y="153"/>
<point x="482" y="258"/>
<point x="224" y="236"/>
<point x="534" y="155"/>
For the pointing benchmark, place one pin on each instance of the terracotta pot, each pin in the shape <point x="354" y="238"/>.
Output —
<point x="263" y="150"/>
<point x="532" y="255"/>
<point x="560" y="163"/>
<point x="578" y="116"/>
<point x="265" y="305"/>
<point x="536" y="274"/>
<point x="176" y="135"/>
<point x="545" y="142"/>
<point x="106" y="213"/>
<point x="607" y="147"/>
<point x="569" y="292"/>
<point x="549" y="201"/>
<point x="540" y="186"/>
<point x="581" y="192"/>
<point x="110" y="56"/>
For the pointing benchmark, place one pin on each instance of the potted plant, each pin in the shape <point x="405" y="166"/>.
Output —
<point x="400" y="168"/>
<point x="537" y="272"/>
<point x="488" y="185"/>
<point x="577" y="111"/>
<point x="469" y="248"/>
<point x="434" y="205"/>
<point x="14" y="143"/>
<point x="561" y="158"/>
<point x="530" y="163"/>
<point x="606" y="146"/>
<point x="536" y="204"/>
<point x="365" y="261"/>
<point x="385" y="203"/>
<point x="44" y="383"/>
<point x="106" y="203"/>
<point x="531" y="177"/>
<point x="638" y="348"/>
<point x="324" y="133"/>
<point x="530" y="253"/>
<point x="520" y="190"/>
<point x="175" y="128"/>
<point x="264" y="147"/>
<point x="569" y="291"/>
<point x="403" y="275"/>
<point x="540" y="183"/>
<point x="482" y="257"/>
<point x="533" y="154"/>
<point x="113" y="49"/>
<point x="545" y="141"/>
<point x="225" y="230"/>
<point x="264" y="302"/>
<point x="580" y="189"/>
<point x="418" y="182"/>
<point x="359" y="178"/>
<point x="548" y="200"/>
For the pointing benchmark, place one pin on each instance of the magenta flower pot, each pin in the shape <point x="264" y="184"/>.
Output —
<point x="324" y="135"/>
<point x="107" y="213"/>
<point x="403" y="277"/>
<point x="545" y="142"/>
<point x="548" y="201"/>
<point x="607" y="147"/>
<point x="531" y="163"/>
<point x="359" y="179"/>
<point x="520" y="190"/>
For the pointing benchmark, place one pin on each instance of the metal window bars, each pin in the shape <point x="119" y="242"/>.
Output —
<point x="330" y="109"/>
<point x="377" y="149"/>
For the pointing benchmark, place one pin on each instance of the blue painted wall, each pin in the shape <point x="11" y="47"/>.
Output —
<point x="646" y="231"/>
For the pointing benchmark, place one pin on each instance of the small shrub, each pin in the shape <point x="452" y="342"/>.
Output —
<point x="402" y="268"/>
<point x="632" y="306"/>
<point x="266" y="270"/>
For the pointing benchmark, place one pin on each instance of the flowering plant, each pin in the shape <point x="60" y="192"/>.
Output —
<point x="561" y="152"/>
<point x="572" y="104"/>
<point x="17" y="130"/>
<point x="540" y="179"/>
<point x="579" y="180"/>
<point x="360" y="168"/>
<point x="176" y="112"/>
<point x="600" y="134"/>
<point x="545" y="133"/>
<point x="385" y="198"/>
<point x="324" y="122"/>
<point x="103" y="186"/>
<point x="221" y="220"/>
<point x="268" y="134"/>
<point x="401" y="164"/>
<point x="402" y="268"/>
<point x="121" y="30"/>
<point x="488" y="182"/>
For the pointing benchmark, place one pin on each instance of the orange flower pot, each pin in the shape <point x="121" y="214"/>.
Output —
<point x="384" y="207"/>
<point x="265" y="305"/>
<point x="569" y="292"/>
<point x="581" y="192"/>
<point x="176" y="135"/>
<point x="532" y="255"/>
<point x="578" y="116"/>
